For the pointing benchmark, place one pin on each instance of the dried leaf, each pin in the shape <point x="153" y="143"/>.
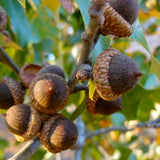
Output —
<point x="67" y="5"/>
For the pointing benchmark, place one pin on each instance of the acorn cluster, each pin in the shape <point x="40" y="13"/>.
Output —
<point x="48" y="94"/>
<point x="114" y="73"/>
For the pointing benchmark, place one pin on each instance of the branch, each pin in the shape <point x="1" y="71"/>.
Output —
<point x="28" y="150"/>
<point x="79" y="87"/>
<point x="81" y="139"/>
<point x="90" y="36"/>
<point x="149" y="124"/>
<point x="107" y="130"/>
<point x="4" y="58"/>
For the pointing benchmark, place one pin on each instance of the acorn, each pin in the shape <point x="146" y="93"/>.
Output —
<point x="23" y="121"/>
<point x="11" y="92"/>
<point x="3" y="19"/>
<point x="28" y="73"/>
<point x="58" y="134"/>
<point x="114" y="74"/>
<point x="100" y="106"/>
<point x="49" y="93"/>
<point x="119" y="17"/>
<point x="52" y="69"/>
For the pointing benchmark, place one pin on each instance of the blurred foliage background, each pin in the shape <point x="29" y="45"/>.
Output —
<point x="43" y="32"/>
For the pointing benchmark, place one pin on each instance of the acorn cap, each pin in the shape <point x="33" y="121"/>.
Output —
<point x="23" y="121"/>
<point x="3" y="19"/>
<point x="101" y="106"/>
<point x="115" y="24"/>
<point x="114" y="74"/>
<point x="49" y="93"/>
<point x="52" y="69"/>
<point x="128" y="9"/>
<point x="15" y="89"/>
<point x="28" y="73"/>
<point x="58" y="134"/>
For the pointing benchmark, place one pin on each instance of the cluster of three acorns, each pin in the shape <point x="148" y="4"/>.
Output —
<point x="48" y="93"/>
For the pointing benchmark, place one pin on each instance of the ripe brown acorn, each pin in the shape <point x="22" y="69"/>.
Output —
<point x="114" y="74"/>
<point x="119" y="17"/>
<point x="28" y="73"/>
<point x="52" y="69"/>
<point x="48" y="93"/>
<point x="58" y="134"/>
<point x="23" y="121"/>
<point x="3" y="19"/>
<point x="11" y="92"/>
<point x="101" y="106"/>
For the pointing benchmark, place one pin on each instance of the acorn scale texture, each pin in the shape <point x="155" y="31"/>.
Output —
<point x="23" y="121"/>
<point x="100" y="106"/>
<point x="12" y="92"/>
<point x="114" y="74"/>
<point x="115" y="24"/>
<point x="3" y="19"/>
<point x="49" y="93"/>
<point x="101" y="74"/>
<point x="58" y="134"/>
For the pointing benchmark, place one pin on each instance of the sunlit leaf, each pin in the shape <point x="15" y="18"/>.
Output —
<point x="23" y="3"/>
<point x="91" y="89"/>
<point x="138" y="35"/>
<point x="52" y="6"/>
<point x="19" y="22"/>
<point x="4" y="42"/>
<point x="155" y="66"/>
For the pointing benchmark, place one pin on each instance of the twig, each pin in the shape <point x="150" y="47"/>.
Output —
<point x="91" y="35"/>
<point x="4" y="58"/>
<point x="107" y="130"/>
<point x="149" y="124"/>
<point x="79" y="87"/>
<point x="28" y="150"/>
<point x="81" y="139"/>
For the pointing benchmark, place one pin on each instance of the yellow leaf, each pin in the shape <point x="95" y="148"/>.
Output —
<point x="91" y="89"/>
<point x="53" y="6"/>
<point x="4" y="42"/>
<point x="23" y="3"/>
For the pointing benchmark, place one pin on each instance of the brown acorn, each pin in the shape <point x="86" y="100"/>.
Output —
<point x="119" y="17"/>
<point x="23" y="121"/>
<point x="52" y="69"/>
<point x="28" y="73"/>
<point x="101" y="106"/>
<point x="58" y="134"/>
<point x="114" y="74"/>
<point x="11" y="92"/>
<point x="48" y="93"/>
<point x="3" y="19"/>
